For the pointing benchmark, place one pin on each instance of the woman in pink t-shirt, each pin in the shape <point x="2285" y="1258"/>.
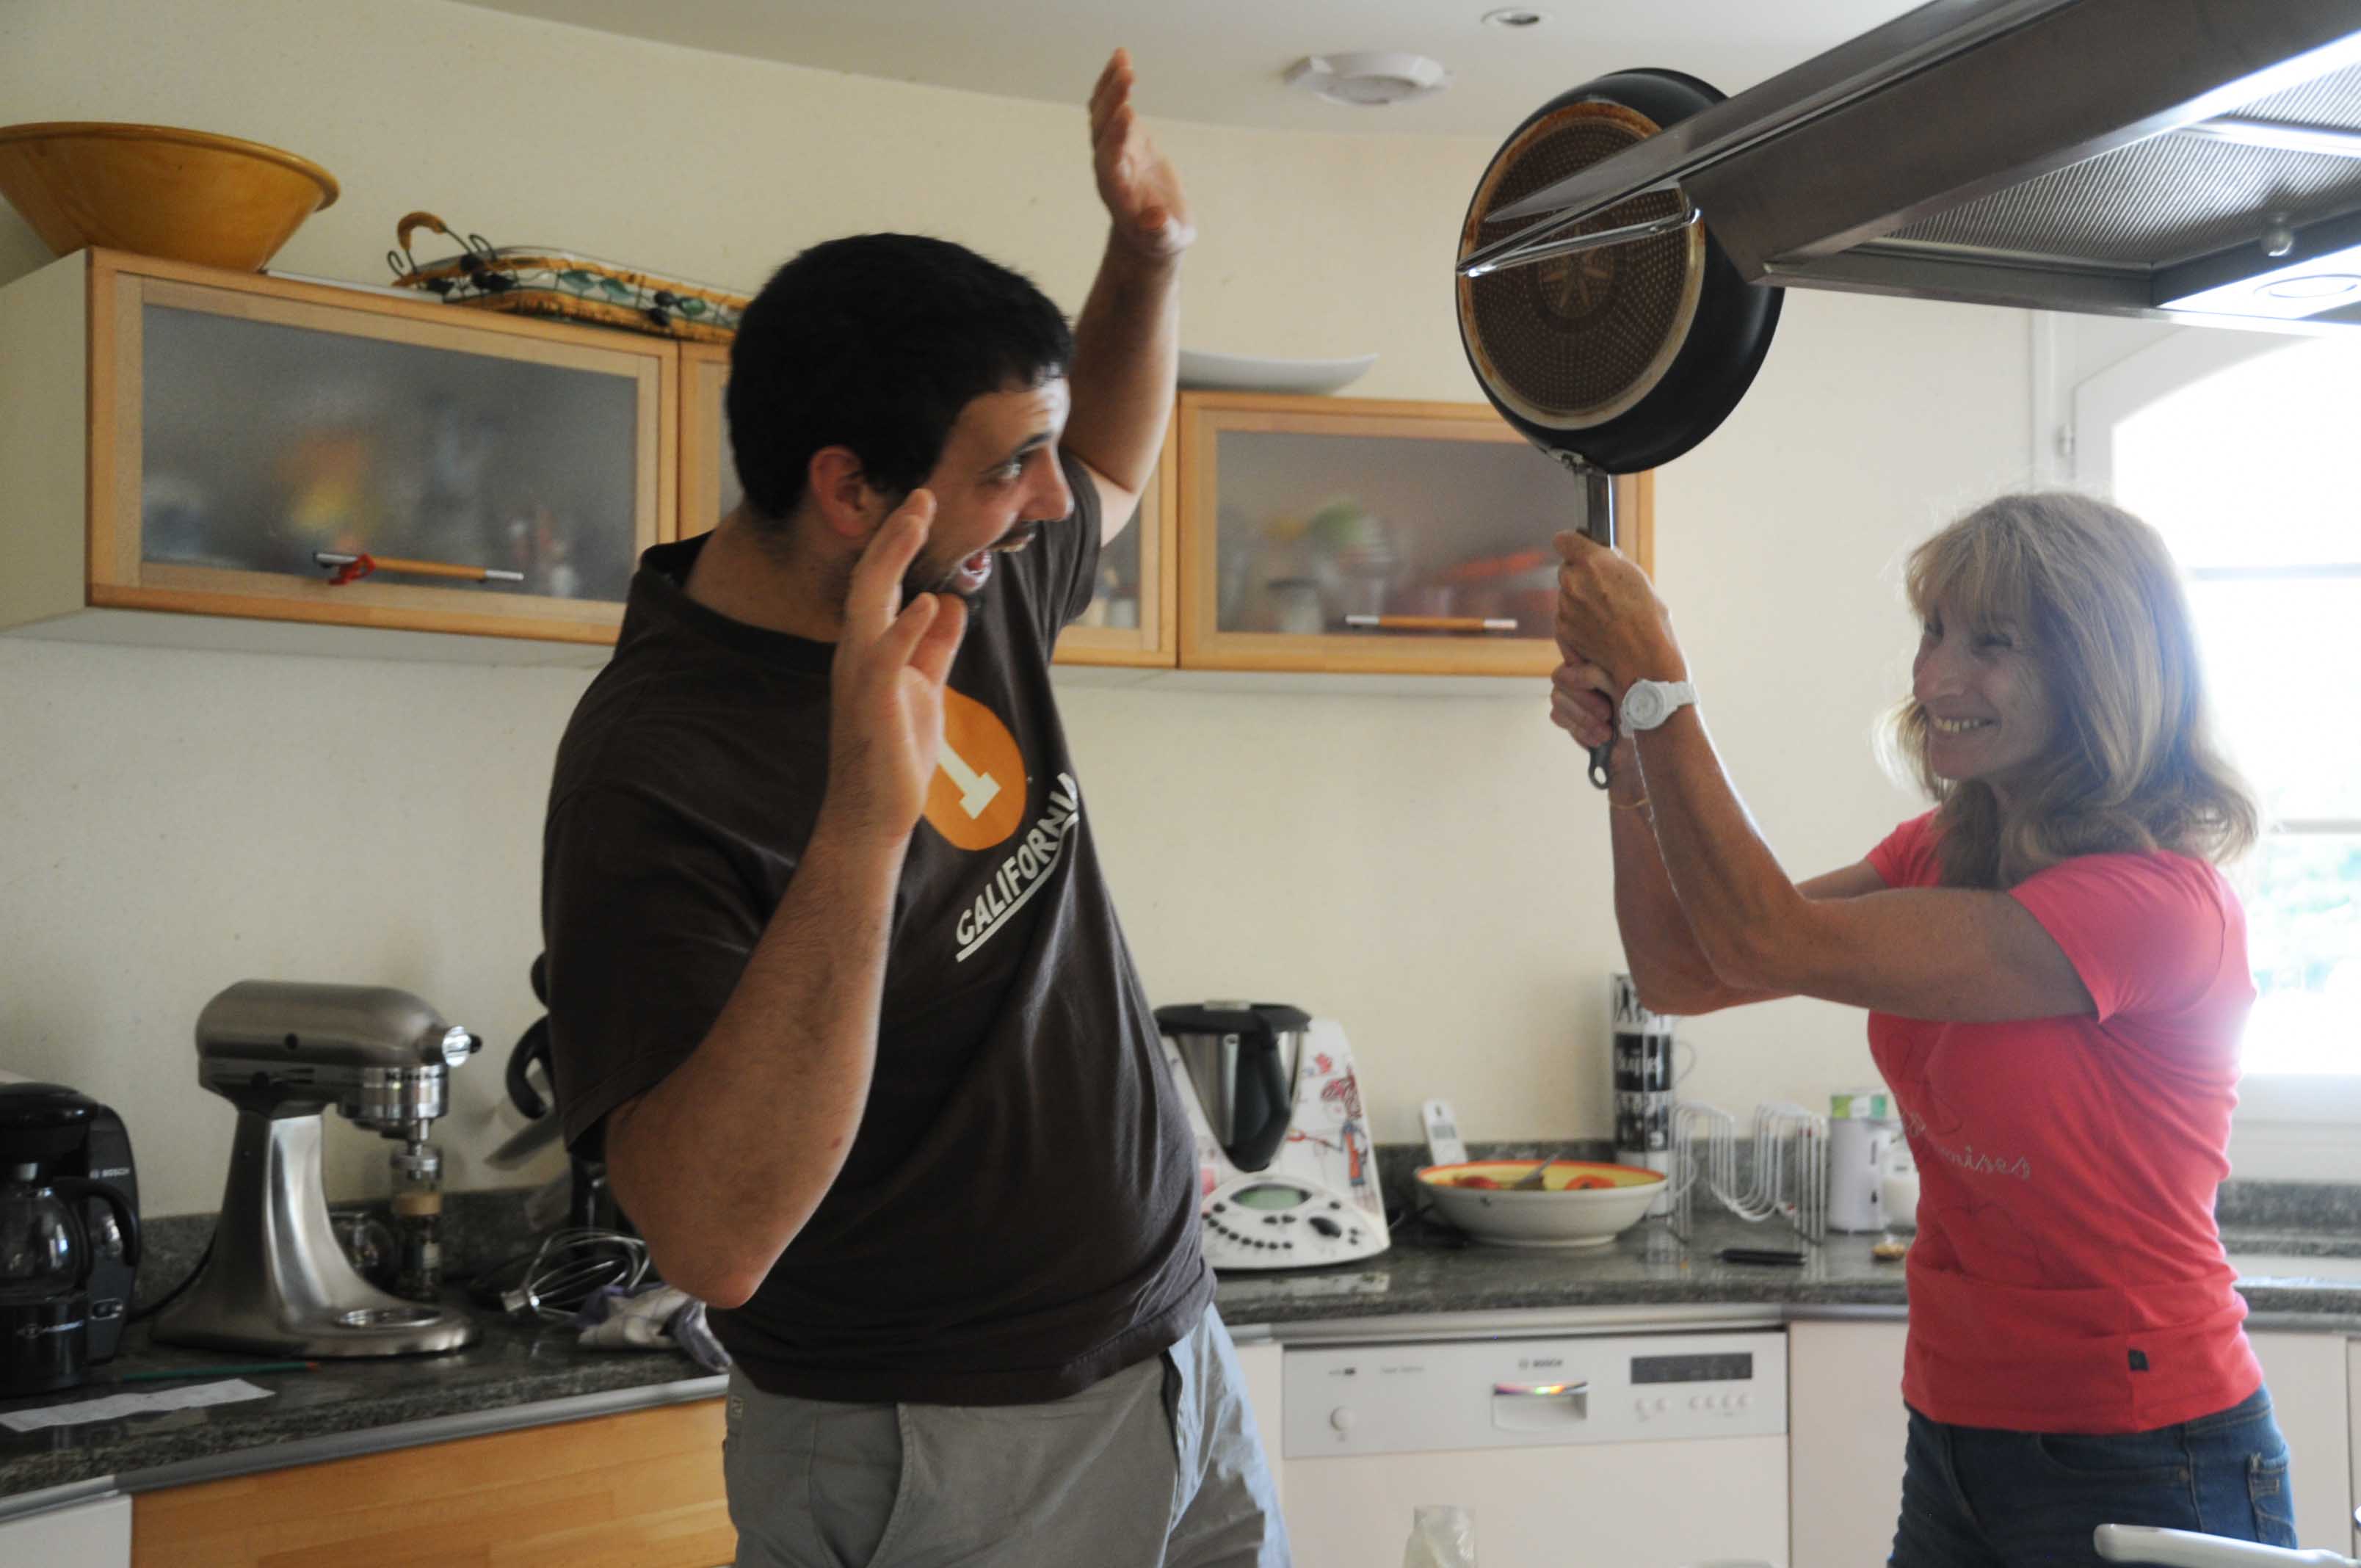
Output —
<point x="2056" y="977"/>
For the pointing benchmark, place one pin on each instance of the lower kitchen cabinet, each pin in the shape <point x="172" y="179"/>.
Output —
<point x="2306" y="1376"/>
<point x="2353" y="1414"/>
<point x="639" y="1490"/>
<point x="1847" y="1427"/>
<point x="1261" y="1363"/>
<point x="92" y="1534"/>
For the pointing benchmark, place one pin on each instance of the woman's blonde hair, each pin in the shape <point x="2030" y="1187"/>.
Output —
<point x="2092" y="596"/>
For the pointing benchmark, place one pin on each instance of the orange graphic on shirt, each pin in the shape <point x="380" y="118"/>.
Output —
<point x="977" y="795"/>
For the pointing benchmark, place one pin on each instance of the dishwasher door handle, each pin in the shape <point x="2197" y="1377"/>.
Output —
<point x="1540" y="1390"/>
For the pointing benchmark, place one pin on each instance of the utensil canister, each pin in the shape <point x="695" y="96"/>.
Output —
<point x="1645" y="1073"/>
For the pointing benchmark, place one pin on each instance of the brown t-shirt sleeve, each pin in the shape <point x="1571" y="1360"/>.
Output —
<point x="648" y="927"/>
<point x="1070" y="550"/>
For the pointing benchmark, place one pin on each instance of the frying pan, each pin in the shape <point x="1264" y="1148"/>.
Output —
<point x="1617" y="344"/>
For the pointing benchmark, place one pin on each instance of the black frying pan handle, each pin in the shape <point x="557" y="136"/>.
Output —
<point x="1599" y="522"/>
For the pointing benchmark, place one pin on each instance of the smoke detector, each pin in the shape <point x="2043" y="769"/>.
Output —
<point x="1368" y="79"/>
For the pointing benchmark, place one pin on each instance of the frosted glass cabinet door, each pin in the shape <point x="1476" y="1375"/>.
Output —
<point x="258" y="425"/>
<point x="1345" y="533"/>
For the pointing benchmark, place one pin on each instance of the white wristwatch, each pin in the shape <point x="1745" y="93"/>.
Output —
<point x="1649" y="703"/>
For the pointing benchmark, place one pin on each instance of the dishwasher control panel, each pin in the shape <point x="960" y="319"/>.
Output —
<point x="1420" y="1396"/>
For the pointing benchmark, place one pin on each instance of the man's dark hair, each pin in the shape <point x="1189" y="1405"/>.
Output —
<point x="876" y="343"/>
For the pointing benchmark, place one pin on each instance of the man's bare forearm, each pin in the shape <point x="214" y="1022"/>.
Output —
<point x="721" y="1165"/>
<point x="1127" y="362"/>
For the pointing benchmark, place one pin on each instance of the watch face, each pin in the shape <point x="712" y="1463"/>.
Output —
<point x="1644" y="704"/>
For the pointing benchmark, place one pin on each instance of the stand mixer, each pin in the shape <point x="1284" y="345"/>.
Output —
<point x="277" y="1281"/>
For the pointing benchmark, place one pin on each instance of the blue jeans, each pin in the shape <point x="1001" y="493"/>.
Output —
<point x="1973" y="1498"/>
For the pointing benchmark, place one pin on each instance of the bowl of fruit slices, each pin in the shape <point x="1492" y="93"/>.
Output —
<point x="1577" y="1203"/>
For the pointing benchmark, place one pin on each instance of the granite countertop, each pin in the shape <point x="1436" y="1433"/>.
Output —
<point x="2286" y="1276"/>
<point x="512" y="1366"/>
<point x="522" y="1373"/>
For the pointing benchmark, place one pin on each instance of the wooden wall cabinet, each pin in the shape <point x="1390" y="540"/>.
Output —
<point x="182" y="439"/>
<point x="1132" y="620"/>
<point x="638" y="1491"/>
<point x="1351" y="534"/>
<point x="708" y="469"/>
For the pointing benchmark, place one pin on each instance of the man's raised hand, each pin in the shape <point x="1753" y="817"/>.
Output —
<point x="891" y="660"/>
<point x="1142" y="191"/>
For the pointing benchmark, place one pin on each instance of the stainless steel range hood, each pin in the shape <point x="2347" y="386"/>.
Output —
<point x="2186" y="158"/>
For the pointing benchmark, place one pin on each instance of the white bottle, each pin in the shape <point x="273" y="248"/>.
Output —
<point x="1863" y="1133"/>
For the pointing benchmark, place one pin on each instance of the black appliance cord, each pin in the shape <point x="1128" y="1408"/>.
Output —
<point x="166" y="1299"/>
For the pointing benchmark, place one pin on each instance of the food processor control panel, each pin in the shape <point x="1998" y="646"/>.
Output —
<point x="1261" y="1221"/>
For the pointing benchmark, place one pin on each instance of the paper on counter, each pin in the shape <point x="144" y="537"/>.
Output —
<point x="115" y="1407"/>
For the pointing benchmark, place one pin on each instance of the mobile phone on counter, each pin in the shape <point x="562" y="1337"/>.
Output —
<point x="1442" y="1145"/>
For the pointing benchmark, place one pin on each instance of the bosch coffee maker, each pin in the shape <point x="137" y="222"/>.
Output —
<point x="69" y="1235"/>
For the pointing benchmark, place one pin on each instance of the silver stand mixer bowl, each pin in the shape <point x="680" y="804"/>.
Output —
<point x="277" y="1283"/>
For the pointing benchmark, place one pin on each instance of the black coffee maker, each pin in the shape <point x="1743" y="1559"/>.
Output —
<point x="69" y="1235"/>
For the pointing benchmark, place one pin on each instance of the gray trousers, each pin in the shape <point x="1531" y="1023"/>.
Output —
<point x="1158" y="1467"/>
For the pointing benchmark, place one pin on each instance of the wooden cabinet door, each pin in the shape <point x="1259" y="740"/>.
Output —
<point x="708" y="469"/>
<point x="242" y="425"/>
<point x="1351" y="534"/>
<point x="639" y="1490"/>
<point x="1130" y="620"/>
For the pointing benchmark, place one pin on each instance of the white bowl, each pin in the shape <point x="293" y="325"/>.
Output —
<point x="1571" y="1210"/>
<point x="1243" y="373"/>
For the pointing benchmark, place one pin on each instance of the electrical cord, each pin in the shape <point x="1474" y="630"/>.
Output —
<point x="167" y="1298"/>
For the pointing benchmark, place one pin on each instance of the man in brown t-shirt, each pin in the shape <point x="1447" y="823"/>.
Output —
<point x="835" y="984"/>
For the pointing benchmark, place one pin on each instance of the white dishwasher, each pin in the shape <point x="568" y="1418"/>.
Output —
<point x="93" y="1533"/>
<point x="1610" y="1451"/>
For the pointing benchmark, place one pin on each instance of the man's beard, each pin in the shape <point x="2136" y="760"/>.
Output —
<point x="922" y="579"/>
<point x="926" y="578"/>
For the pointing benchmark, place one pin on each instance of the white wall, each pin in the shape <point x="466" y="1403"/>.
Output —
<point x="1430" y="869"/>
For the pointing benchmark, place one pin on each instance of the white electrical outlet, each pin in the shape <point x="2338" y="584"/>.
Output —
<point x="1442" y="1145"/>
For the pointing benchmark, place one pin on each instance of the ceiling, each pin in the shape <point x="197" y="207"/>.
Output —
<point x="1222" y="62"/>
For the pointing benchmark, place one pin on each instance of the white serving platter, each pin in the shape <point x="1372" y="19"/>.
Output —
<point x="1244" y="373"/>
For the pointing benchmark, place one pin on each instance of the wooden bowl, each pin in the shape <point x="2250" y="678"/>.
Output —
<point x="184" y="195"/>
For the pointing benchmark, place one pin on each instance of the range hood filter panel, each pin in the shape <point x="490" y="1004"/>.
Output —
<point x="2169" y="199"/>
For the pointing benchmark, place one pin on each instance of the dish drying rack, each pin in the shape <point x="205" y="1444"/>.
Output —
<point x="1790" y="1179"/>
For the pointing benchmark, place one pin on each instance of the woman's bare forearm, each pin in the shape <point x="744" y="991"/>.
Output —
<point x="1667" y="964"/>
<point x="1732" y="888"/>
